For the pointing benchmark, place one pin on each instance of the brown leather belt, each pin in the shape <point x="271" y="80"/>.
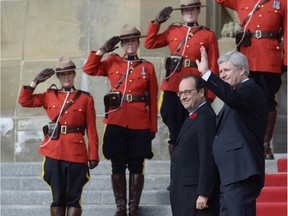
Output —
<point x="260" y="34"/>
<point x="134" y="98"/>
<point x="69" y="129"/>
<point x="189" y="63"/>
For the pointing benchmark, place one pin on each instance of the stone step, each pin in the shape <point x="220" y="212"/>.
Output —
<point x="97" y="182"/>
<point x="90" y="210"/>
<point x="104" y="168"/>
<point x="92" y="197"/>
<point x="23" y="192"/>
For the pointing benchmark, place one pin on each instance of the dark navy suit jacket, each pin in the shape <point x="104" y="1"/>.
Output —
<point x="192" y="166"/>
<point x="241" y="124"/>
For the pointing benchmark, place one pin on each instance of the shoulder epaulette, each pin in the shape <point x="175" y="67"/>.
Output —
<point x="53" y="87"/>
<point x="84" y="92"/>
<point x="204" y="27"/>
<point x="114" y="54"/>
<point x="177" y="23"/>
<point x="144" y="60"/>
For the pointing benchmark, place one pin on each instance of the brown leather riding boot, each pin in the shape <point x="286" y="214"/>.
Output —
<point x="119" y="190"/>
<point x="72" y="211"/>
<point x="57" y="211"/>
<point x="268" y="135"/>
<point x="136" y="183"/>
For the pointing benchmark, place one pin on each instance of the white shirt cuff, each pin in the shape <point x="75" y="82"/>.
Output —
<point x="206" y="75"/>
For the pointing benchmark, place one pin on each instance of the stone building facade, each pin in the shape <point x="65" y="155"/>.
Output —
<point x="35" y="33"/>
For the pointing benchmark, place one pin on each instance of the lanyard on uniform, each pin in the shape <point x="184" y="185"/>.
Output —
<point x="188" y="36"/>
<point x="57" y="119"/>
<point x="255" y="8"/>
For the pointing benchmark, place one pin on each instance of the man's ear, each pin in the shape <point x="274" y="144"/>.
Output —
<point x="242" y="72"/>
<point x="202" y="91"/>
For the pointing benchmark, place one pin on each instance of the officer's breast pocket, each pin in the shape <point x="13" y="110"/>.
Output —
<point x="53" y="110"/>
<point x="78" y="112"/>
<point x="233" y="146"/>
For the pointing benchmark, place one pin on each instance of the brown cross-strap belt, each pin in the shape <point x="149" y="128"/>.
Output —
<point x="260" y="34"/>
<point x="134" y="98"/>
<point x="189" y="63"/>
<point x="69" y="129"/>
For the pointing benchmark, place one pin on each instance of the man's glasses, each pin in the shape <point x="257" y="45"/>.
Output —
<point x="185" y="93"/>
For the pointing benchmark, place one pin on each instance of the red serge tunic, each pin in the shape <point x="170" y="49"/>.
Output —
<point x="140" y="79"/>
<point x="264" y="54"/>
<point x="173" y="36"/>
<point x="71" y="146"/>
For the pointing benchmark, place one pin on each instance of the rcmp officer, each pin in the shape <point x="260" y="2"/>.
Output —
<point x="131" y="113"/>
<point x="66" y="159"/>
<point x="264" y="23"/>
<point x="184" y="42"/>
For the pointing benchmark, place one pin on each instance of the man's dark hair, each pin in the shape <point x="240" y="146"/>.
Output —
<point x="199" y="82"/>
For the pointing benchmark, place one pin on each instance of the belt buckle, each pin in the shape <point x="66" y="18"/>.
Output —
<point x="63" y="129"/>
<point x="187" y="62"/>
<point x="129" y="98"/>
<point x="258" y="34"/>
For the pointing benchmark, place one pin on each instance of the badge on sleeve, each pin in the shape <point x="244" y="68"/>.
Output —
<point x="276" y="4"/>
<point x="143" y="72"/>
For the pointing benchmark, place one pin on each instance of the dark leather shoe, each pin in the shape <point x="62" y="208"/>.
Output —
<point x="268" y="155"/>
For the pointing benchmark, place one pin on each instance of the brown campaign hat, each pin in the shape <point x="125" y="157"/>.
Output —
<point x="189" y="4"/>
<point x="65" y="64"/>
<point x="129" y="31"/>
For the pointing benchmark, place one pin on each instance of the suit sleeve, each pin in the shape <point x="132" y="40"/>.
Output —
<point x="240" y="99"/>
<point x="206" y="134"/>
<point x="92" y="134"/>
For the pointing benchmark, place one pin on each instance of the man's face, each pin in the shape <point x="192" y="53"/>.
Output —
<point x="190" y="15"/>
<point x="189" y="96"/>
<point x="66" y="78"/>
<point x="130" y="46"/>
<point x="231" y="74"/>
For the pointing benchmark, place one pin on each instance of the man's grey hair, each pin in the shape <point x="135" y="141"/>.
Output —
<point x="237" y="59"/>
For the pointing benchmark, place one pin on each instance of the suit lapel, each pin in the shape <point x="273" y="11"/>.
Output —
<point x="189" y="121"/>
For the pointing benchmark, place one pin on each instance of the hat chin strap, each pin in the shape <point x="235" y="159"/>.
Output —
<point x="68" y="89"/>
<point x="192" y="24"/>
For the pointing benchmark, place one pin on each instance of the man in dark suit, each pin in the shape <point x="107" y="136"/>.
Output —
<point x="238" y="144"/>
<point x="192" y="167"/>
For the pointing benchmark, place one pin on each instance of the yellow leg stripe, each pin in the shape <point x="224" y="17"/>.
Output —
<point x="160" y="100"/>
<point x="42" y="174"/>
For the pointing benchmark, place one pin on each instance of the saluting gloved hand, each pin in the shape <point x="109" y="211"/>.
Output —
<point x="43" y="75"/>
<point x="92" y="164"/>
<point x="109" y="45"/>
<point x="163" y="15"/>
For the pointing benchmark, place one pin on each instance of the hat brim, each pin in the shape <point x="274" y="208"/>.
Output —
<point x="189" y="6"/>
<point x="132" y="36"/>
<point x="66" y="70"/>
